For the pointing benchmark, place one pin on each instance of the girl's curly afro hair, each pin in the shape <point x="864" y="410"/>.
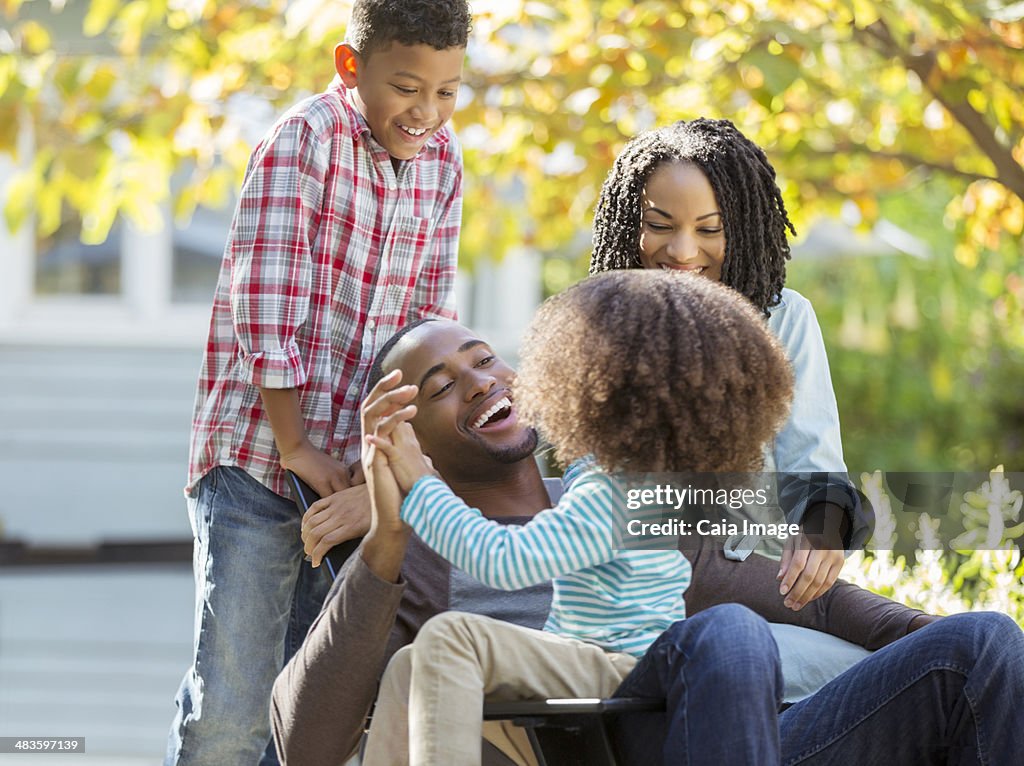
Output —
<point x="654" y="371"/>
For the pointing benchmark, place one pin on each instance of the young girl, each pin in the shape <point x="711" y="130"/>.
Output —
<point x="646" y="372"/>
<point x="700" y="197"/>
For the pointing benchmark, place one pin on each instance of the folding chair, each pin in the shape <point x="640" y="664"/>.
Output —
<point x="572" y="732"/>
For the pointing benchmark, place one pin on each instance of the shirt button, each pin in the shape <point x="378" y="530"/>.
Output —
<point x="370" y="324"/>
<point x="392" y="187"/>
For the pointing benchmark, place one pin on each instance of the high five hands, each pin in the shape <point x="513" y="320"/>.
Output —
<point x="392" y="459"/>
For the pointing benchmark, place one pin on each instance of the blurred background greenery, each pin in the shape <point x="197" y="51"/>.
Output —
<point x="897" y="129"/>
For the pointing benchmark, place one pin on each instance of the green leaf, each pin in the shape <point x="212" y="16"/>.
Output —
<point x="99" y="85"/>
<point x="779" y="71"/>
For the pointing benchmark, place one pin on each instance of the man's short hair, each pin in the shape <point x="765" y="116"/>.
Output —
<point x="377" y="368"/>
<point x="376" y="24"/>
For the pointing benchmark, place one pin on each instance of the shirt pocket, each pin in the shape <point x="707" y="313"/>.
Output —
<point x="408" y="243"/>
<point x="408" y="240"/>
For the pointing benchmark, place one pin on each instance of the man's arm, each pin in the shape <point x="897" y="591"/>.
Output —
<point x="845" y="610"/>
<point x="321" y="698"/>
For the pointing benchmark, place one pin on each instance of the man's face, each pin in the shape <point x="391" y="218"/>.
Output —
<point x="465" y="417"/>
<point x="406" y="93"/>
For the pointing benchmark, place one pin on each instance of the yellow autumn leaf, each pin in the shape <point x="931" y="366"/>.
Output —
<point x="20" y="193"/>
<point x="35" y="37"/>
<point x="100" y="14"/>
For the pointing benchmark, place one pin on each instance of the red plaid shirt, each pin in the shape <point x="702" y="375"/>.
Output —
<point x="330" y="252"/>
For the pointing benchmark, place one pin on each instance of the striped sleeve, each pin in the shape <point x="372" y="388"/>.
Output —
<point x="576" y="534"/>
<point x="577" y="469"/>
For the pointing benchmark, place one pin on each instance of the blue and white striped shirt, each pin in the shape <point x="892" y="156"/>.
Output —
<point x="618" y="599"/>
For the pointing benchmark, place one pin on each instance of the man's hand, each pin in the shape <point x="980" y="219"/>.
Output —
<point x="386" y="400"/>
<point x="334" y="519"/>
<point x="812" y="561"/>
<point x="318" y="469"/>
<point x="385" y="494"/>
<point x="384" y="547"/>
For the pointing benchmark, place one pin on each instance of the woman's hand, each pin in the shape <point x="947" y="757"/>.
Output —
<point x="812" y="560"/>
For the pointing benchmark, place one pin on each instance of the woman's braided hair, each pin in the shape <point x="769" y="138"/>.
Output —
<point x="753" y="214"/>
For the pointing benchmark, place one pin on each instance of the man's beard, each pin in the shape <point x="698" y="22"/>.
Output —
<point x="512" y="453"/>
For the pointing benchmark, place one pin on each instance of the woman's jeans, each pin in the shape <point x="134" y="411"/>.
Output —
<point x="255" y="600"/>
<point x="951" y="693"/>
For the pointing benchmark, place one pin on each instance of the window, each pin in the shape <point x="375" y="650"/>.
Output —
<point x="66" y="266"/>
<point x="197" y="252"/>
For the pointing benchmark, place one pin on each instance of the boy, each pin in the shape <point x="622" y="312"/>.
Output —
<point x="347" y="228"/>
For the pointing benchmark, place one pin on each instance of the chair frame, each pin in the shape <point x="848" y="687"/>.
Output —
<point x="571" y="732"/>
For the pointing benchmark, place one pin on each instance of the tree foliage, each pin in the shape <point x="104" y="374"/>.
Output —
<point x="852" y="98"/>
<point x="986" y="573"/>
<point x="924" y="352"/>
<point x="911" y="110"/>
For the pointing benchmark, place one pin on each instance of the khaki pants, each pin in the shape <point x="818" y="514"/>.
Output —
<point x="429" y="706"/>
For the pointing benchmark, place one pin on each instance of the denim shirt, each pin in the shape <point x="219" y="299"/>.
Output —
<point x="810" y="439"/>
<point x="809" y="442"/>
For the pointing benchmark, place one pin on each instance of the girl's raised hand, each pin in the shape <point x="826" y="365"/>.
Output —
<point x="386" y="400"/>
<point x="397" y="440"/>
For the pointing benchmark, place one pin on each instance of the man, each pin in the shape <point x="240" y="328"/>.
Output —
<point x="394" y="584"/>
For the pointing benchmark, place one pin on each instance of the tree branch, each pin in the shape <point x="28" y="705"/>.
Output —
<point x="910" y="159"/>
<point x="1009" y="172"/>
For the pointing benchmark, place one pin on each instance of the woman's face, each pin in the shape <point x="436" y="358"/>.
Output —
<point x="680" y="223"/>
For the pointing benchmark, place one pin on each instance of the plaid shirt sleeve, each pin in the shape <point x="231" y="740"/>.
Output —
<point x="434" y="291"/>
<point x="271" y="251"/>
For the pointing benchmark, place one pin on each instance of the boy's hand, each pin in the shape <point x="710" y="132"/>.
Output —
<point x="318" y="469"/>
<point x="355" y="472"/>
<point x="334" y="519"/>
